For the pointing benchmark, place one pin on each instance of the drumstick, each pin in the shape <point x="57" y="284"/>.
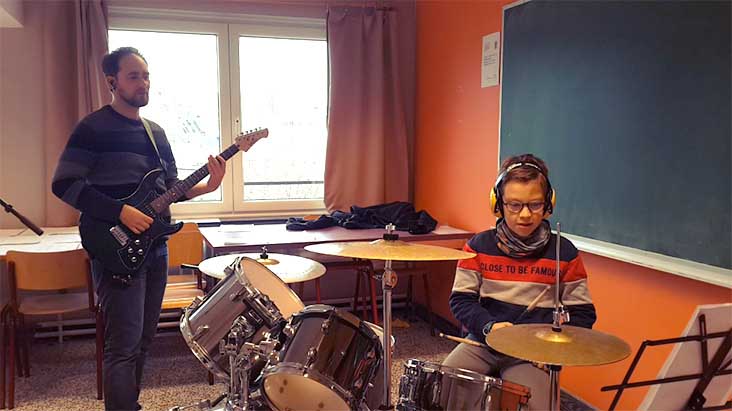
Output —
<point x="533" y="304"/>
<point x="463" y="340"/>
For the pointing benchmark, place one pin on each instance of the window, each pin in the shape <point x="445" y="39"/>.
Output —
<point x="210" y="81"/>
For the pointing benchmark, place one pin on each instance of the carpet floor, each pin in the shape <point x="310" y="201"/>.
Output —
<point x="63" y="375"/>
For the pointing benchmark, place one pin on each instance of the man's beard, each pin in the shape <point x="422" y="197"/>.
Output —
<point x="137" y="100"/>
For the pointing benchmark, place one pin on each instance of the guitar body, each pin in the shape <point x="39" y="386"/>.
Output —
<point x="120" y="250"/>
<point x="123" y="252"/>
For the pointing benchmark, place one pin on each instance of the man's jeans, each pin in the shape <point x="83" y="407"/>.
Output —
<point x="131" y="312"/>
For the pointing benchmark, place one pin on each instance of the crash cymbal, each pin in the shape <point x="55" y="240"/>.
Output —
<point x="290" y="268"/>
<point x="572" y="346"/>
<point x="395" y="250"/>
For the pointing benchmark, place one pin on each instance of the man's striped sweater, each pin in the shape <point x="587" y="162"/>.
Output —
<point x="105" y="159"/>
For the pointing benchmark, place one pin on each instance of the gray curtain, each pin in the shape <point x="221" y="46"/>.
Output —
<point x="371" y="114"/>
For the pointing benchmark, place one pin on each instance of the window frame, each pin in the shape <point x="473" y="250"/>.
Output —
<point x="271" y="31"/>
<point x="228" y="28"/>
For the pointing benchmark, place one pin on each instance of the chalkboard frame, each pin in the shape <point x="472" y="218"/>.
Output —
<point x="649" y="258"/>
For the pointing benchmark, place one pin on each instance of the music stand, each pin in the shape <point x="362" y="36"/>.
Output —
<point x="690" y="379"/>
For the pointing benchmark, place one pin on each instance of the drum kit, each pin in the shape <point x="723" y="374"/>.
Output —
<point x="277" y="354"/>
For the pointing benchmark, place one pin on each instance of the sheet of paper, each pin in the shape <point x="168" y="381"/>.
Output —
<point x="9" y="232"/>
<point x="236" y="228"/>
<point x="491" y="59"/>
<point x="20" y="239"/>
<point x="66" y="238"/>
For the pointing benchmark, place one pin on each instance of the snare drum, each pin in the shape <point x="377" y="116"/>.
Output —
<point x="430" y="386"/>
<point x="326" y="364"/>
<point x="251" y="291"/>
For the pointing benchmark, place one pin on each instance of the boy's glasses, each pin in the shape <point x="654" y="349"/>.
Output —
<point x="517" y="206"/>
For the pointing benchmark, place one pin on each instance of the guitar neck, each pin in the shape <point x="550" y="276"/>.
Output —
<point x="180" y="188"/>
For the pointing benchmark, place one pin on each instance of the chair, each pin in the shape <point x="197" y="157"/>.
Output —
<point x="46" y="284"/>
<point x="185" y="251"/>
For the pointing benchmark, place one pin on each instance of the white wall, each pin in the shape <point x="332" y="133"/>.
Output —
<point x="22" y="164"/>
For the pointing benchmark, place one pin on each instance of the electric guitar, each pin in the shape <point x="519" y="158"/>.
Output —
<point x="123" y="252"/>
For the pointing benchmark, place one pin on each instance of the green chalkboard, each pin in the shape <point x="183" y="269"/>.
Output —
<point x="629" y="104"/>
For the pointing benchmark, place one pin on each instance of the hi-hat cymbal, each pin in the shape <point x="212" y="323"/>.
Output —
<point x="572" y="346"/>
<point x="395" y="250"/>
<point x="290" y="268"/>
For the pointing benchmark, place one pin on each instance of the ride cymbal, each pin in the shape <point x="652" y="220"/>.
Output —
<point x="572" y="346"/>
<point x="394" y="250"/>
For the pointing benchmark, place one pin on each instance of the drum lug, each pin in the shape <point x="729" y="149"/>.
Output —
<point x="312" y="352"/>
<point x="199" y="331"/>
<point x="288" y="331"/>
<point x="325" y="326"/>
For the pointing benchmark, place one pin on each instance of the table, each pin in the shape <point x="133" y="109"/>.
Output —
<point x="238" y="238"/>
<point x="231" y="238"/>
<point x="52" y="239"/>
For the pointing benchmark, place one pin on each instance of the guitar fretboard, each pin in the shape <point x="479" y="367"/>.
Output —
<point x="180" y="188"/>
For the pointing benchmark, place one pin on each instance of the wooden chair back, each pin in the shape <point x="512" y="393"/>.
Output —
<point x="61" y="270"/>
<point x="185" y="246"/>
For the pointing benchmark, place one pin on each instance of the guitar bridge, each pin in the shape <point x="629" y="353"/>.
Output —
<point x="119" y="234"/>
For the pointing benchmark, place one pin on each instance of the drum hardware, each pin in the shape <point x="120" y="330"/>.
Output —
<point x="557" y="345"/>
<point x="200" y="406"/>
<point x="259" y="310"/>
<point x="389" y="249"/>
<point x="243" y="355"/>
<point x="199" y="331"/>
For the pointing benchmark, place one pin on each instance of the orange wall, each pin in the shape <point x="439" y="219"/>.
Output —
<point x="456" y="161"/>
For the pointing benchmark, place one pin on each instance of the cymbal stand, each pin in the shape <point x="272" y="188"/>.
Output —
<point x="388" y="282"/>
<point x="560" y="316"/>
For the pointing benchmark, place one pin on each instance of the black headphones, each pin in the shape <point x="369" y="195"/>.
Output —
<point x="112" y="85"/>
<point x="550" y="198"/>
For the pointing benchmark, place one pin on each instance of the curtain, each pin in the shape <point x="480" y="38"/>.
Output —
<point x="74" y="37"/>
<point x="371" y="107"/>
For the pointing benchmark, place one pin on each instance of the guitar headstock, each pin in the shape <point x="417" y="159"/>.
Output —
<point x="246" y="140"/>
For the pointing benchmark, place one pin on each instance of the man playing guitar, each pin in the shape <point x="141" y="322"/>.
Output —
<point x="109" y="152"/>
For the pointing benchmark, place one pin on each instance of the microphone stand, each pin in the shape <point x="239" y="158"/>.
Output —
<point x="9" y="209"/>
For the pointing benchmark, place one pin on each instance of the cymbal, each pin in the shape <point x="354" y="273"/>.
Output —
<point x="290" y="268"/>
<point x="395" y="250"/>
<point x="573" y="346"/>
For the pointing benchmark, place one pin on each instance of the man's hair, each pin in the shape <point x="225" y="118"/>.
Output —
<point x="525" y="174"/>
<point x="110" y="62"/>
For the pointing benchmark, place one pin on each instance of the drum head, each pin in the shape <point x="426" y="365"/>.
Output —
<point x="269" y="284"/>
<point x="296" y="392"/>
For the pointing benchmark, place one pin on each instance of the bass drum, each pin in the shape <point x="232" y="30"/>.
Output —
<point x="249" y="290"/>
<point x="327" y="363"/>
<point x="430" y="386"/>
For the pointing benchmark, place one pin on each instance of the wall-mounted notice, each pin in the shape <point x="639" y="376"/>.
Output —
<point x="489" y="64"/>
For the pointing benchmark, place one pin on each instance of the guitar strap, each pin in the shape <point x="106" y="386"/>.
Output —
<point x="152" y="140"/>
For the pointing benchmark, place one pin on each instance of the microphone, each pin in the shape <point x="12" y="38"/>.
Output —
<point x="9" y="209"/>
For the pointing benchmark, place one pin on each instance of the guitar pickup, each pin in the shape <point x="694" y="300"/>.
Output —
<point x="119" y="234"/>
